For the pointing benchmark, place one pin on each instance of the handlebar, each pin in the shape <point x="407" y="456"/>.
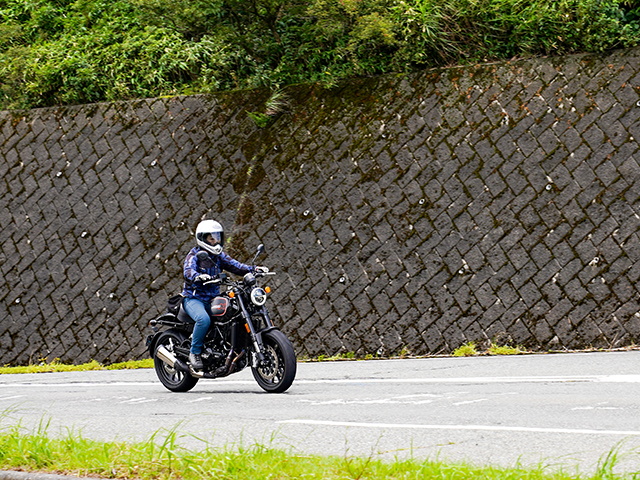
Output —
<point x="218" y="281"/>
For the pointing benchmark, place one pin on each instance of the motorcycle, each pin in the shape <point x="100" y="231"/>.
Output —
<point x="241" y="334"/>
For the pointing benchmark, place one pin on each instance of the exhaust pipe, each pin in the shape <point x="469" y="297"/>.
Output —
<point x="169" y="358"/>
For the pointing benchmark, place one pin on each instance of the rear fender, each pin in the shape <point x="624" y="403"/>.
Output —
<point x="166" y="320"/>
<point x="180" y="322"/>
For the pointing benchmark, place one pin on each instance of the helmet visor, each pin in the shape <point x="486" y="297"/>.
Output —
<point x="213" y="238"/>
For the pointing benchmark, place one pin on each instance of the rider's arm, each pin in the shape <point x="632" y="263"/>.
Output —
<point x="191" y="267"/>
<point x="230" y="265"/>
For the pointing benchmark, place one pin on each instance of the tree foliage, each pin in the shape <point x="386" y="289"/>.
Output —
<point x="56" y="52"/>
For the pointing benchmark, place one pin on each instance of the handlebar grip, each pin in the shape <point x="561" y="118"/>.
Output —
<point x="264" y="274"/>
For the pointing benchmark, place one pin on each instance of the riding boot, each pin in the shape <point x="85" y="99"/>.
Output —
<point x="196" y="361"/>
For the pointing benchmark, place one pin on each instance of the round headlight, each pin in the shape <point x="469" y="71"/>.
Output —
<point x="258" y="296"/>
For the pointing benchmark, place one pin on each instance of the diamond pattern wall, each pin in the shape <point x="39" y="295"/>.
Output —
<point x="496" y="202"/>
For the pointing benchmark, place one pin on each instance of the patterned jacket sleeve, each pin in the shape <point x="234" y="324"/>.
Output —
<point x="191" y="267"/>
<point x="233" y="266"/>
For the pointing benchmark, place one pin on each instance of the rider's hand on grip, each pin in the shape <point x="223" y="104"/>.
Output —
<point x="203" y="278"/>
<point x="262" y="270"/>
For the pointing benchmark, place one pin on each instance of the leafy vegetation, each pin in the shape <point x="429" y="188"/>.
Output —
<point x="58" y="52"/>
<point x="470" y="350"/>
<point x="466" y="350"/>
<point x="505" y="350"/>
<point x="162" y="457"/>
<point x="56" y="366"/>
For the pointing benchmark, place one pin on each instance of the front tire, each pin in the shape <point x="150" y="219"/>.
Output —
<point x="171" y="378"/>
<point x="276" y="373"/>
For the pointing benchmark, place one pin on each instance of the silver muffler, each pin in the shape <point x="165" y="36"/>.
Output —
<point x="170" y="359"/>
<point x="166" y="356"/>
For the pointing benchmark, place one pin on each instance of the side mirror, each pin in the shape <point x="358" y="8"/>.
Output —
<point x="258" y="253"/>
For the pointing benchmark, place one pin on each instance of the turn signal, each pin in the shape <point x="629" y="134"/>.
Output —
<point x="232" y="294"/>
<point x="246" y="325"/>
<point x="267" y="289"/>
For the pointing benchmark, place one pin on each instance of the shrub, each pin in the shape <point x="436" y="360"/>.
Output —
<point x="61" y="52"/>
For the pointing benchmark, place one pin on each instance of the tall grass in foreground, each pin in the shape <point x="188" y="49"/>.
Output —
<point x="162" y="458"/>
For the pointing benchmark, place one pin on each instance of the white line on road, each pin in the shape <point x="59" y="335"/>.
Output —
<point x="81" y="384"/>
<point x="495" y="428"/>
<point x="457" y="380"/>
<point x="467" y="402"/>
<point x="474" y="380"/>
<point x="139" y="400"/>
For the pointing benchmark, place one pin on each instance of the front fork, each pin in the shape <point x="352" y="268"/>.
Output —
<point x="256" y="338"/>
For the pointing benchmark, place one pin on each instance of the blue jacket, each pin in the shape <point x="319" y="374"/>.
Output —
<point x="213" y="266"/>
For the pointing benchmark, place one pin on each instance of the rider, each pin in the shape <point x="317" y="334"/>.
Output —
<point x="197" y="271"/>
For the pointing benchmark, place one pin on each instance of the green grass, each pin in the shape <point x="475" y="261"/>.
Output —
<point x="505" y="350"/>
<point x="470" y="350"/>
<point x="466" y="350"/>
<point x="161" y="457"/>
<point x="56" y="366"/>
<point x="337" y="357"/>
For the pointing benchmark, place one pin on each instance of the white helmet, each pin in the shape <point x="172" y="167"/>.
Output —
<point x="210" y="236"/>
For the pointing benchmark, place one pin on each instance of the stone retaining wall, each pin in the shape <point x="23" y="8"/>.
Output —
<point x="494" y="202"/>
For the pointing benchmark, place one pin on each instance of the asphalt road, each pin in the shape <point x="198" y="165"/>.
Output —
<point x="565" y="410"/>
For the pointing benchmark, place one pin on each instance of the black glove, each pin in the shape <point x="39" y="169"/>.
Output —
<point x="203" y="277"/>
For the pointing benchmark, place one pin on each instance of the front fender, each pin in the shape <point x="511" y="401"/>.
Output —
<point x="264" y="330"/>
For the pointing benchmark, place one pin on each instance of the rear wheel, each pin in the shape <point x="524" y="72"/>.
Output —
<point x="173" y="379"/>
<point x="276" y="373"/>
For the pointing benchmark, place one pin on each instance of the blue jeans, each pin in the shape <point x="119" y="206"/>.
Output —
<point x="198" y="311"/>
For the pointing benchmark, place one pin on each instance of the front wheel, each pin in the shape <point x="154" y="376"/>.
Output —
<point x="276" y="373"/>
<point x="173" y="379"/>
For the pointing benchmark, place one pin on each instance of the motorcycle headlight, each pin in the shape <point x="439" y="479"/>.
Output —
<point x="258" y="296"/>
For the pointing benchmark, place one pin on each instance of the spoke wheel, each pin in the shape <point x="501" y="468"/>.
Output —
<point x="171" y="378"/>
<point x="276" y="373"/>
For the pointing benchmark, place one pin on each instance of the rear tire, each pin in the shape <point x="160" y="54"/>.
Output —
<point x="171" y="378"/>
<point x="277" y="372"/>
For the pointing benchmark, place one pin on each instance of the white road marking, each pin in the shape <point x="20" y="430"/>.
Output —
<point x="455" y="380"/>
<point x="475" y="380"/>
<point x="494" y="428"/>
<point x="378" y="401"/>
<point x="12" y="397"/>
<point x="139" y="400"/>
<point x="599" y="406"/>
<point x="621" y="378"/>
<point x="419" y="395"/>
<point x="467" y="402"/>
